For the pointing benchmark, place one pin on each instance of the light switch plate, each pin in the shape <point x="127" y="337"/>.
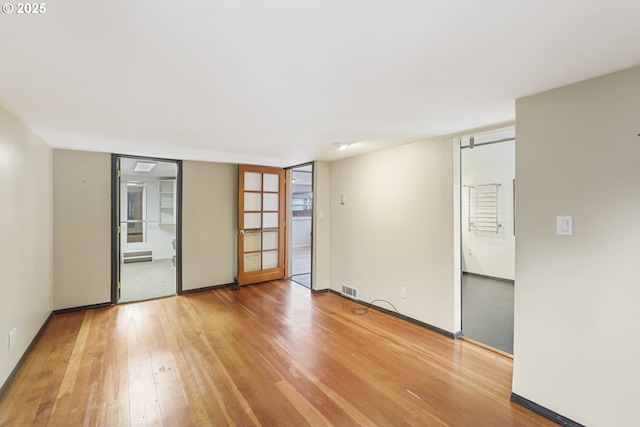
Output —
<point x="12" y="337"/>
<point x="565" y="226"/>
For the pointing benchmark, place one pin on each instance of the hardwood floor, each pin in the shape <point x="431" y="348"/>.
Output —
<point x="271" y="354"/>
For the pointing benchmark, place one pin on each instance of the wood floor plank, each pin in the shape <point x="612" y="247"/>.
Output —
<point x="117" y="368"/>
<point x="191" y="397"/>
<point x="209" y="369"/>
<point x="65" y="409"/>
<point x="312" y="415"/>
<point x="269" y="354"/>
<point x="45" y="366"/>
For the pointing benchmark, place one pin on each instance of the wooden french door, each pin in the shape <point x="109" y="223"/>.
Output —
<point x="261" y="217"/>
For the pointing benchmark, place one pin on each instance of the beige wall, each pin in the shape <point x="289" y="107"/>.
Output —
<point x="576" y="297"/>
<point x="26" y="247"/>
<point x="320" y="269"/>
<point x="209" y="224"/>
<point x="82" y="228"/>
<point x="396" y="229"/>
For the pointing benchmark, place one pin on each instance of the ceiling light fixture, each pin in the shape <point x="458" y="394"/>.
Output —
<point x="341" y="146"/>
<point x="144" y="166"/>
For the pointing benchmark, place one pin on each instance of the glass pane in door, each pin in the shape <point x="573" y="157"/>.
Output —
<point x="252" y="221"/>
<point x="252" y="202"/>
<point x="271" y="182"/>
<point x="270" y="259"/>
<point x="252" y="262"/>
<point x="271" y="202"/>
<point x="252" y="181"/>
<point x="270" y="220"/>
<point x="252" y="242"/>
<point x="270" y="240"/>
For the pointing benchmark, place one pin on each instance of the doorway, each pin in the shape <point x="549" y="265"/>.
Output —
<point x="488" y="239"/>
<point x="301" y="220"/>
<point x="146" y="209"/>
<point x="261" y="224"/>
<point x="274" y="242"/>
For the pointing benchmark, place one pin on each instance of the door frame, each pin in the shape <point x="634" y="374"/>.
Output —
<point x="115" y="221"/>
<point x="262" y="275"/>
<point x="458" y="199"/>
<point x="289" y="224"/>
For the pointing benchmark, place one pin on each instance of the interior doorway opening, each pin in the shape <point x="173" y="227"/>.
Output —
<point x="301" y="219"/>
<point x="146" y="205"/>
<point x="488" y="239"/>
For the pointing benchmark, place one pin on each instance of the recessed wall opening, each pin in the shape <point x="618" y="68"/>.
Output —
<point x="301" y="220"/>
<point x="488" y="238"/>
<point x="146" y="206"/>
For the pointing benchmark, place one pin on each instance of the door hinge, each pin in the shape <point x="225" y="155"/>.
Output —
<point x="119" y="230"/>
<point x="118" y="285"/>
<point x="119" y="173"/>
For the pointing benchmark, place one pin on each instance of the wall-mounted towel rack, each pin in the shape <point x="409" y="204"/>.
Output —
<point x="484" y="208"/>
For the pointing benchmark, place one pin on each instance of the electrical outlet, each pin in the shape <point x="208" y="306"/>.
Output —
<point x="403" y="292"/>
<point x="12" y="337"/>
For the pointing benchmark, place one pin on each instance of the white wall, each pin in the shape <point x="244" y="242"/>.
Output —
<point x="26" y="249"/>
<point x="82" y="228"/>
<point x="489" y="254"/>
<point x="576" y="300"/>
<point x="209" y="227"/>
<point x="301" y="231"/>
<point x="397" y="227"/>
<point x="158" y="236"/>
<point x="300" y="225"/>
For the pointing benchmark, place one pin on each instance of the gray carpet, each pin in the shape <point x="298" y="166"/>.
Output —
<point x="147" y="280"/>
<point x="487" y="311"/>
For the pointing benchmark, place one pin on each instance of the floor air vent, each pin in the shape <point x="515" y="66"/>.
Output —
<point x="350" y="292"/>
